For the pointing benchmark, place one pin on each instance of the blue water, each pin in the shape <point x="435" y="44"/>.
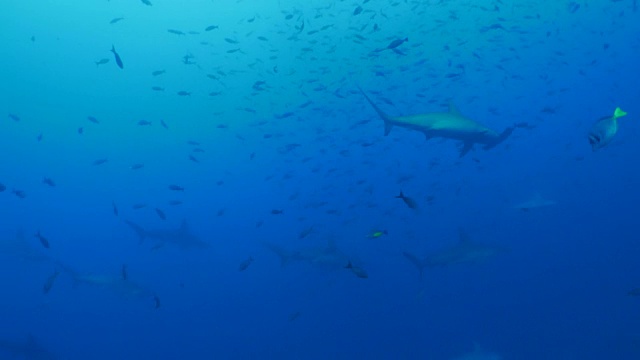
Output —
<point x="286" y="175"/>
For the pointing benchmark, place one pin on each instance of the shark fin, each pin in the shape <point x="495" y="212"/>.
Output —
<point x="420" y="264"/>
<point x="453" y="109"/>
<point x="138" y="230"/>
<point x="502" y="137"/>
<point x="466" y="147"/>
<point x="388" y="120"/>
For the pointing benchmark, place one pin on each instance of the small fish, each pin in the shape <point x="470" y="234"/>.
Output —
<point x="80" y="130"/>
<point x="161" y="214"/>
<point x="147" y="2"/>
<point x="157" y="88"/>
<point x="357" y="11"/>
<point x="19" y="193"/>
<point x="395" y="43"/>
<point x="357" y="271"/>
<point x="377" y="233"/>
<point x="194" y="159"/>
<point x="123" y="272"/>
<point x="49" y="283"/>
<point x="176" y="188"/>
<point x="93" y="119"/>
<point x="183" y="93"/>
<point x="39" y="138"/>
<point x="48" y="181"/>
<point x="245" y="264"/>
<point x="139" y="206"/>
<point x="164" y="124"/>
<point x="407" y="200"/>
<point x="2" y="188"/>
<point x="176" y="32"/>
<point x="144" y="123"/>
<point x="293" y="316"/>
<point x="175" y="202"/>
<point x="231" y="41"/>
<point x="101" y="62"/>
<point x="136" y="166"/>
<point x="156" y="300"/>
<point x="42" y="239"/>
<point x="603" y="131"/>
<point x="99" y="161"/>
<point x="277" y="211"/>
<point x="158" y="72"/>
<point x="306" y="232"/>
<point x="14" y="117"/>
<point x="115" y="208"/>
<point x="116" y="20"/>
<point x="211" y="27"/>
<point x="118" y="59"/>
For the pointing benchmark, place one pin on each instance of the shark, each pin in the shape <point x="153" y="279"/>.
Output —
<point x="21" y="248"/>
<point x="181" y="237"/>
<point x="465" y="251"/>
<point x="29" y="349"/>
<point x="537" y="201"/>
<point x="478" y="353"/>
<point x="449" y="125"/>
<point x="328" y="257"/>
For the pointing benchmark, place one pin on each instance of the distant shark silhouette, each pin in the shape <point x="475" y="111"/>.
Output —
<point x="465" y="251"/>
<point x="328" y="257"/>
<point x="537" y="201"/>
<point x="449" y="125"/>
<point x="21" y="248"/>
<point x="180" y="237"/>
<point x="478" y="353"/>
<point x="29" y="350"/>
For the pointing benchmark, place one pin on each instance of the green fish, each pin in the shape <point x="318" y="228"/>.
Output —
<point x="603" y="131"/>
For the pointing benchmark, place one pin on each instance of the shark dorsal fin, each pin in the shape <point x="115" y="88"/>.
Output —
<point x="453" y="109"/>
<point x="184" y="227"/>
<point x="464" y="237"/>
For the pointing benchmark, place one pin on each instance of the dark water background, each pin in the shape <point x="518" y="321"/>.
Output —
<point x="274" y="107"/>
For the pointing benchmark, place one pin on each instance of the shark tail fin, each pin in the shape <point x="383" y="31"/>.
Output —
<point x="420" y="264"/>
<point x="502" y="137"/>
<point x="618" y="113"/>
<point x="283" y="254"/>
<point x="388" y="120"/>
<point x="138" y="230"/>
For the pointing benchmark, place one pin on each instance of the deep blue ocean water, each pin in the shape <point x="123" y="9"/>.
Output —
<point x="203" y="200"/>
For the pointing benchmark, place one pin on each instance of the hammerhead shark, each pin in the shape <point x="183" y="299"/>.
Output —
<point x="449" y="125"/>
<point x="328" y="257"/>
<point x="29" y="349"/>
<point x="181" y="236"/>
<point x="465" y="251"/>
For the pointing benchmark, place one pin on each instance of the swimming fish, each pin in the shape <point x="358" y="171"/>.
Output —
<point x="49" y="283"/>
<point x="245" y="264"/>
<point x="43" y="240"/>
<point x="357" y="271"/>
<point x="603" y="131"/>
<point x="412" y="204"/>
<point x="118" y="60"/>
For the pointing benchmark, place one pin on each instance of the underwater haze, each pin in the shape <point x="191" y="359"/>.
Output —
<point x="319" y="179"/>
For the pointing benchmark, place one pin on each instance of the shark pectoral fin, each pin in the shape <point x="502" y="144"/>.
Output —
<point x="466" y="147"/>
<point x="415" y="261"/>
<point x="387" y="127"/>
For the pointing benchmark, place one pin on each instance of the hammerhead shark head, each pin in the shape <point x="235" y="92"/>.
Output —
<point x="449" y="125"/>
<point x="465" y="251"/>
<point x="29" y="350"/>
<point x="181" y="236"/>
